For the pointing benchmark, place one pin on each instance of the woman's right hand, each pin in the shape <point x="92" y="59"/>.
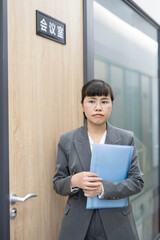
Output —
<point x="86" y="180"/>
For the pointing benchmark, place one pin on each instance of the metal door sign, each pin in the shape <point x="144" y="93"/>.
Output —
<point x="50" y="27"/>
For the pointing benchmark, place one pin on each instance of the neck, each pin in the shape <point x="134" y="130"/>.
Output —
<point x="96" y="131"/>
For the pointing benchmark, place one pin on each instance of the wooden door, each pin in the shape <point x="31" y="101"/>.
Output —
<point x="45" y="79"/>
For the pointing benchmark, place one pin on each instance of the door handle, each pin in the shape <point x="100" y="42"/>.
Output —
<point x="14" y="198"/>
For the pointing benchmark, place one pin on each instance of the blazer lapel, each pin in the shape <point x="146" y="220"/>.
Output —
<point x="82" y="147"/>
<point x="111" y="137"/>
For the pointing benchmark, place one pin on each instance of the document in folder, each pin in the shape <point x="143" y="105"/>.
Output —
<point x="111" y="163"/>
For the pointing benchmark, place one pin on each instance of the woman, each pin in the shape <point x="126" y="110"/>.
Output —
<point x="73" y="179"/>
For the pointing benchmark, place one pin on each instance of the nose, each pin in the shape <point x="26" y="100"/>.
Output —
<point x="98" y="106"/>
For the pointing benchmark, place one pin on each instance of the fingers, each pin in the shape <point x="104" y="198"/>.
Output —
<point x="89" y="174"/>
<point x="91" y="181"/>
<point x="94" y="179"/>
<point x="90" y="188"/>
<point x="86" y="180"/>
<point x="86" y="194"/>
<point x="92" y="184"/>
<point x="90" y="194"/>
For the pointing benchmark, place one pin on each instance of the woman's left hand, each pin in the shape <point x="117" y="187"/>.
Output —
<point x="94" y="193"/>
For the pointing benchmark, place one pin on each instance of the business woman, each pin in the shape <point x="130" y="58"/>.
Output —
<point x="73" y="179"/>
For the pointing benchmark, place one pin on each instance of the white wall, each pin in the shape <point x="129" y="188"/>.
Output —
<point x="151" y="7"/>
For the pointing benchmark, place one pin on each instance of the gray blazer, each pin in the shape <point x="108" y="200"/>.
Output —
<point x="74" y="156"/>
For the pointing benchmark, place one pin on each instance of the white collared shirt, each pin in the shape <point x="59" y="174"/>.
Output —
<point x="102" y="141"/>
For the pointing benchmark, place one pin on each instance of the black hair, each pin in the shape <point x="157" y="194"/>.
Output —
<point x="97" y="87"/>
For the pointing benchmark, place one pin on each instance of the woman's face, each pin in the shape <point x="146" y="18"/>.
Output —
<point x="97" y="109"/>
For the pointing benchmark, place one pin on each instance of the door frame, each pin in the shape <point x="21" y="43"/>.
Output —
<point x="88" y="43"/>
<point x="4" y="137"/>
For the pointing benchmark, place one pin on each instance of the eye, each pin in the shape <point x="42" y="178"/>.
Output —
<point x="105" y="102"/>
<point x="91" y="101"/>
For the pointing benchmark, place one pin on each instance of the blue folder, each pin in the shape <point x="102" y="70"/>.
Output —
<point x="111" y="162"/>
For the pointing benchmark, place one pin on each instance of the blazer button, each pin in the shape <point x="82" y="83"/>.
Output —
<point x="76" y="196"/>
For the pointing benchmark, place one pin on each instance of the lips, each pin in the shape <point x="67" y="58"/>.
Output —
<point x="98" y="115"/>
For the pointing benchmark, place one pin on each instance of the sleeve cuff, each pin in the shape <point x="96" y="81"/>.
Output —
<point x="102" y="194"/>
<point x="74" y="189"/>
